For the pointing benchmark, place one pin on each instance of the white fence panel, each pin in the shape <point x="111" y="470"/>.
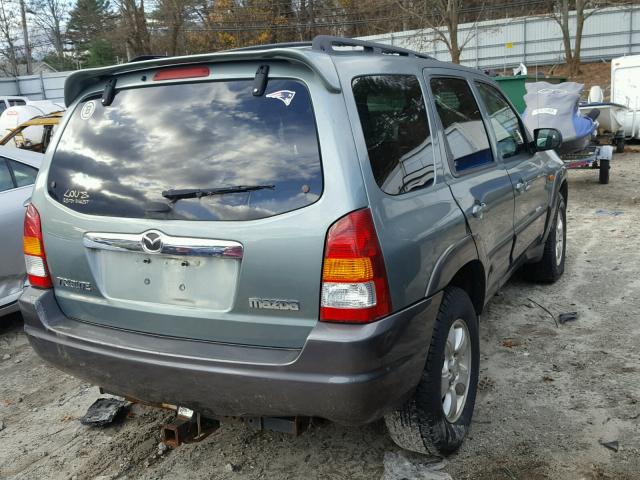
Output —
<point x="608" y="33"/>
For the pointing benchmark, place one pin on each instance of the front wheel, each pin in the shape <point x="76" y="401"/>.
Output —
<point x="551" y="267"/>
<point x="437" y="418"/>
<point x="620" y="145"/>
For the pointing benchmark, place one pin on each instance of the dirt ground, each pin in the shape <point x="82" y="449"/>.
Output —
<point x="549" y="395"/>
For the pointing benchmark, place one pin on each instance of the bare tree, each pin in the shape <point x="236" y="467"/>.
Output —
<point x="49" y="16"/>
<point x="443" y="18"/>
<point x="134" y="25"/>
<point x="562" y="13"/>
<point x="8" y="27"/>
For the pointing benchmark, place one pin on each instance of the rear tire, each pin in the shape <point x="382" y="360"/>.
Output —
<point x="619" y="145"/>
<point x="605" y="165"/>
<point x="551" y="267"/>
<point x="434" y="422"/>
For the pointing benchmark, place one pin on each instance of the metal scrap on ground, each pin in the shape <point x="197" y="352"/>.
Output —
<point x="104" y="411"/>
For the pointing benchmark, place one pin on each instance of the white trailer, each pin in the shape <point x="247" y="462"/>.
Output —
<point x="625" y="90"/>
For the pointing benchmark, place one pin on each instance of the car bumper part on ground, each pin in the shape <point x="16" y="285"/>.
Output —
<point x="350" y="374"/>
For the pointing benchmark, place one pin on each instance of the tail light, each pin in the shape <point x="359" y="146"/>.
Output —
<point x="354" y="280"/>
<point x="37" y="270"/>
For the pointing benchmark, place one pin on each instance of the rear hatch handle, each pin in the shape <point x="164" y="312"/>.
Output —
<point x="156" y="242"/>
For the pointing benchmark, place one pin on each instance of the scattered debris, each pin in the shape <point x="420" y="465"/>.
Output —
<point x="547" y="379"/>
<point x="6" y="356"/>
<point x="567" y="317"/>
<point x="609" y="213"/>
<point x="398" y="467"/>
<point x="17" y="360"/>
<point x="486" y="383"/>
<point x="614" y="445"/>
<point x="232" y="467"/>
<point x="104" y="411"/>
<point x="162" y="448"/>
<point x="546" y="310"/>
<point x="1" y="425"/>
<point x="511" y="342"/>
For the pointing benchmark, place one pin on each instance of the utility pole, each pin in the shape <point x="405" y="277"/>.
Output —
<point x="25" y="35"/>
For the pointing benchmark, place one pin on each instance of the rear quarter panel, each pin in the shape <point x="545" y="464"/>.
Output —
<point x="416" y="228"/>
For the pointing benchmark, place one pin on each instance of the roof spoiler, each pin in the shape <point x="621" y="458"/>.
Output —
<point x="321" y="64"/>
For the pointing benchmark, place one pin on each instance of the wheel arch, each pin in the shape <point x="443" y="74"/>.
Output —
<point x="460" y="266"/>
<point x="564" y="190"/>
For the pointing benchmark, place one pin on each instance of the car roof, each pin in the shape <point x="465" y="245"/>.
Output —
<point x="27" y="157"/>
<point x="318" y="55"/>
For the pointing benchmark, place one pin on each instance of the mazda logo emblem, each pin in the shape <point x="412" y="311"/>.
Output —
<point x="151" y="242"/>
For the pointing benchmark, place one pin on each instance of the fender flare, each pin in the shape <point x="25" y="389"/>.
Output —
<point x="561" y="177"/>
<point x="450" y="262"/>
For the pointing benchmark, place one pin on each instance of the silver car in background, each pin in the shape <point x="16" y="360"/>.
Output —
<point x="18" y="171"/>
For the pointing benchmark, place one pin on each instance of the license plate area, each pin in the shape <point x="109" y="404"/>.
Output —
<point x="202" y="282"/>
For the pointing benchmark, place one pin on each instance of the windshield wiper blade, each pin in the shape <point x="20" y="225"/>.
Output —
<point x="175" y="195"/>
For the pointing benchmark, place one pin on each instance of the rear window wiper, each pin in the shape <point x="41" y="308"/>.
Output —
<point x="175" y="195"/>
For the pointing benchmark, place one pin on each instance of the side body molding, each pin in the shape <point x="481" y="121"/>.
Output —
<point x="454" y="257"/>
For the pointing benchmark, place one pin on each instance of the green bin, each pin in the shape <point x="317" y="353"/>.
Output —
<point x="514" y="89"/>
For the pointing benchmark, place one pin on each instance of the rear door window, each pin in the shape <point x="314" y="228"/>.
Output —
<point x="118" y="160"/>
<point x="395" y="127"/>
<point x="24" y="174"/>
<point x="6" y="182"/>
<point x="462" y="123"/>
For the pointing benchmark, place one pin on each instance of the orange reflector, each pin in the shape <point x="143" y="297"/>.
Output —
<point x="32" y="246"/>
<point x="347" y="270"/>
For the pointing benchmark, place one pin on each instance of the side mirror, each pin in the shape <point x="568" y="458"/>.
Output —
<point x="546" y="139"/>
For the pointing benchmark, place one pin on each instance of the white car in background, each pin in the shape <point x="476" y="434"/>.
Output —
<point x="18" y="171"/>
<point x="12" y="101"/>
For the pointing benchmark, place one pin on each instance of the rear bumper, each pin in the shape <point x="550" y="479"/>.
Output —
<point x="350" y="374"/>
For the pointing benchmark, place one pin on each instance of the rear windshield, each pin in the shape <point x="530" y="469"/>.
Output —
<point x="118" y="160"/>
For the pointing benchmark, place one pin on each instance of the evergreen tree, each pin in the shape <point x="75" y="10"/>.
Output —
<point x="89" y="28"/>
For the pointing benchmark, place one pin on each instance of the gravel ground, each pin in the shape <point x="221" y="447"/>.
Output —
<point x="549" y="395"/>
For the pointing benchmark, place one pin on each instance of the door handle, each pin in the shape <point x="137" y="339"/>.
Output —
<point x="522" y="186"/>
<point x="478" y="209"/>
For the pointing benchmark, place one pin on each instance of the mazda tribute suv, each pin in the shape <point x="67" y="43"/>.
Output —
<point x="291" y="230"/>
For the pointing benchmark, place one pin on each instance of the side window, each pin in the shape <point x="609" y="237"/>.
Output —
<point x="3" y="106"/>
<point x="6" y="182"/>
<point x="24" y="174"/>
<point x="504" y="121"/>
<point x="396" y="130"/>
<point x="462" y="122"/>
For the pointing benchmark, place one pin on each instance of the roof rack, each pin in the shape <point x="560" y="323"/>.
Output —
<point x="271" y="46"/>
<point x="142" y="58"/>
<point x="325" y="43"/>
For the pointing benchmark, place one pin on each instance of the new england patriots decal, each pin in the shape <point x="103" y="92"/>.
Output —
<point x="285" y="95"/>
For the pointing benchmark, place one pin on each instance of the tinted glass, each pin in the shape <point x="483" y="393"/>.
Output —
<point x="117" y="160"/>
<point x="17" y="102"/>
<point x="504" y="121"/>
<point x="25" y="174"/>
<point x="394" y="122"/>
<point x="6" y="182"/>
<point x="462" y="123"/>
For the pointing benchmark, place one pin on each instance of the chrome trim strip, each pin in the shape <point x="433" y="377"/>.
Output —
<point x="181" y="246"/>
